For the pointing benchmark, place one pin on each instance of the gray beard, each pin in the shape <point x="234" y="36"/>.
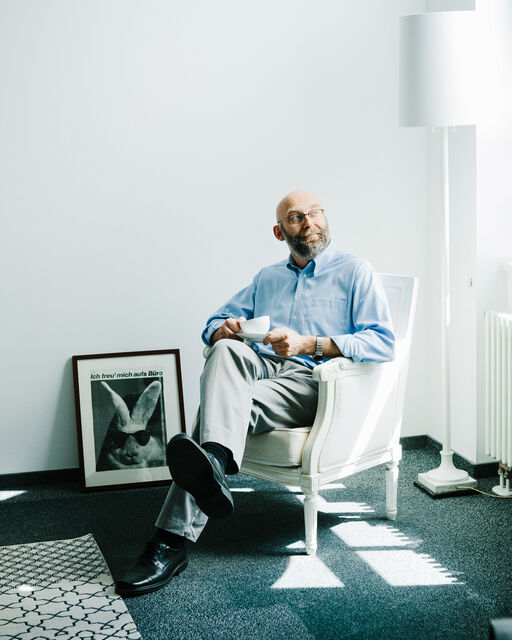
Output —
<point x="307" y="250"/>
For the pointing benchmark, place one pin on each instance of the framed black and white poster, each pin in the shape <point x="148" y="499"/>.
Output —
<point x="128" y="407"/>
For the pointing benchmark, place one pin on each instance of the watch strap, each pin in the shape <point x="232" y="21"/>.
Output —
<point x="319" y="354"/>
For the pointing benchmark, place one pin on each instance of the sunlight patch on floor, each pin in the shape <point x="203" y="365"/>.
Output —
<point x="362" y="534"/>
<point x="307" y="572"/>
<point x="406" y="568"/>
<point x="241" y="490"/>
<point x="300" y="544"/>
<point x="334" y="485"/>
<point x="340" y="507"/>
<point x="7" y="495"/>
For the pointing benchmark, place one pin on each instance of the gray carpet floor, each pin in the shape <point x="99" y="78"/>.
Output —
<point x="440" y="571"/>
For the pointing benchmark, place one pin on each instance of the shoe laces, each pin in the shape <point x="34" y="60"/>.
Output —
<point x="151" y="545"/>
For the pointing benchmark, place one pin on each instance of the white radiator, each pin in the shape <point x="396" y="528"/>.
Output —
<point x="498" y="392"/>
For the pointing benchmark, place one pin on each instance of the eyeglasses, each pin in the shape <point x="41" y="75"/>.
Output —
<point x="119" y="438"/>
<point x="298" y="218"/>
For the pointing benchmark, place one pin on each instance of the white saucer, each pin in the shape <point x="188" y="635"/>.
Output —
<point x="252" y="337"/>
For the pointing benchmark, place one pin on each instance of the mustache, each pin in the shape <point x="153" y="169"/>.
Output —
<point x="305" y="245"/>
<point x="305" y="236"/>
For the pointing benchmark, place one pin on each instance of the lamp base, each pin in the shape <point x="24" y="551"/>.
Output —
<point x="502" y="491"/>
<point x="446" y="480"/>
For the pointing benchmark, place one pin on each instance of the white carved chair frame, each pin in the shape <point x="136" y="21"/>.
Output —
<point x="358" y="420"/>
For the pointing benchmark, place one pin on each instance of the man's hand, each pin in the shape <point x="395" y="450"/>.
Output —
<point x="228" y="330"/>
<point x="287" y="342"/>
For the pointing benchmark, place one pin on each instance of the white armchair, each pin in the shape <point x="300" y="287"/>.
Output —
<point x="357" y="424"/>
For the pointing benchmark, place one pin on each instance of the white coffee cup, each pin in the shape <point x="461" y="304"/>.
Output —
<point x="256" y="325"/>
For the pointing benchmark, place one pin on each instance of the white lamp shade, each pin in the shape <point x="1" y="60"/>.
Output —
<point x="437" y="69"/>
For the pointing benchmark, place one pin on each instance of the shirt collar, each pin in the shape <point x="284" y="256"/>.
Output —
<point x="319" y="263"/>
<point x="323" y="259"/>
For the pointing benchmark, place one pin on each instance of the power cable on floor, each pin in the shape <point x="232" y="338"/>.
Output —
<point x="491" y="495"/>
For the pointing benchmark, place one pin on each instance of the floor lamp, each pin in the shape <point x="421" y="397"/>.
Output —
<point x="435" y="91"/>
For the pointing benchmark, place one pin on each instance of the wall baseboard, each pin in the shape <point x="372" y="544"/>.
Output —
<point x="414" y="442"/>
<point x="13" y="480"/>
<point x="35" y="478"/>
<point x="482" y="470"/>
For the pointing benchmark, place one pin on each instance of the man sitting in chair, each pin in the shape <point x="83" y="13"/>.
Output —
<point x="322" y="303"/>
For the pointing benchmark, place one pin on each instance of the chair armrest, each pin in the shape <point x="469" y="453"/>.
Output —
<point x="328" y="370"/>
<point x="335" y="366"/>
<point x="356" y="413"/>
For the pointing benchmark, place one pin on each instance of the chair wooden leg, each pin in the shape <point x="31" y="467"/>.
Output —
<point x="391" y="489"/>
<point x="310" y="520"/>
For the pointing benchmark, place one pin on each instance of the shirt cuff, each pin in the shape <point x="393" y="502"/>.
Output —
<point x="211" y="329"/>
<point x="347" y="346"/>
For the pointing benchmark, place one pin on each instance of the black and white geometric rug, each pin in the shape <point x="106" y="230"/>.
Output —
<point x="61" y="589"/>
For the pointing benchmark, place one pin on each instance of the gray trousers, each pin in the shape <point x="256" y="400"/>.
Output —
<point x="241" y="393"/>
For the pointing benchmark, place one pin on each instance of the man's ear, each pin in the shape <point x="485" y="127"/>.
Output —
<point x="278" y="233"/>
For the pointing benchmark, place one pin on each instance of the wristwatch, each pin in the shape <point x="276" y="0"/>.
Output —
<point x="318" y="356"/>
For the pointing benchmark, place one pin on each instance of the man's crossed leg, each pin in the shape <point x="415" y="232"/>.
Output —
<point x="241" y="393"/>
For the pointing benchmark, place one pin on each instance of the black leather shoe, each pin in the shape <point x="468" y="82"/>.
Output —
<point x="198" y="472"/>
<point x="156" y="566"/>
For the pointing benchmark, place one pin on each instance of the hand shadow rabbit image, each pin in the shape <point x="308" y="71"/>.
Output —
<point x="129" y="427"/>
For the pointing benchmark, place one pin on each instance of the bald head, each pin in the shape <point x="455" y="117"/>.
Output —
<point x="297" y="201"/>
<point x="307" y="237"/>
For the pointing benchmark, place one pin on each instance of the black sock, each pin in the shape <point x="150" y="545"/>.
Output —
<point x="172" y="539"/>
<point x="220" y="453"/>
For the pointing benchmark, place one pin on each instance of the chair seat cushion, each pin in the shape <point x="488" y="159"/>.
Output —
<point x="279" y="448"/>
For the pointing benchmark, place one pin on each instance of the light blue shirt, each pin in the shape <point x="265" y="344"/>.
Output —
<point x="337" y="295"/>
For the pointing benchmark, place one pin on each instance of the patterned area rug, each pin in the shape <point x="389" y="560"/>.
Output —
<point x="61" y="589"/>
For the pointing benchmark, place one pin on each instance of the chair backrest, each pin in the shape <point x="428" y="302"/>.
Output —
<point x="367" y="415"/>
<point x="401" y="292"/>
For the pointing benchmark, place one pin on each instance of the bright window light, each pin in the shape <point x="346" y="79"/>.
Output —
<point x="307" y="572"/>
<point x="300" y="544"/>
<point x="7" y="495"/>
<point x="406" y="568"/>
<point x="26" y="589"/>
<point x="340" y="507"/>
<point x="362" y="534"/>
<point x="334" y="485"/>
<point x="241" y="490"/>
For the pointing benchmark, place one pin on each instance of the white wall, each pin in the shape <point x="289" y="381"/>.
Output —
<point x="494" y="192"/>
<point x="481" y="226"/>
<point x="143" y="147"/>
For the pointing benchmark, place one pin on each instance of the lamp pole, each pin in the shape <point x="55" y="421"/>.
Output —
<point x="445" y="291"/>
<point x="436" y="90"/>
<point x="446" y="478"/>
